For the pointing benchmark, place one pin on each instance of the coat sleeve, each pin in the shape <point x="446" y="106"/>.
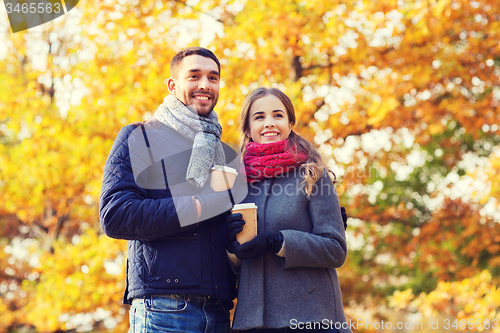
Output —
<point x="125" y="211"/>
<point x="326" y="245"/>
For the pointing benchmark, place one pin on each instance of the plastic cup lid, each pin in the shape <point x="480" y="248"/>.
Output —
<point x="225" y="168"/>
<point x="244" y="206"/>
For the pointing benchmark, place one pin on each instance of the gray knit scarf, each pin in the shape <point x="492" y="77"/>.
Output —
<point x="204" y="131"/>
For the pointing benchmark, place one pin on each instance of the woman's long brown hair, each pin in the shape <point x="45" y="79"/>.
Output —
<point x="313" y="167"/>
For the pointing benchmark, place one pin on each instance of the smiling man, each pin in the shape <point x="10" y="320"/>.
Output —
<point x="156" y="195"/>
<point x="195" y="82"/>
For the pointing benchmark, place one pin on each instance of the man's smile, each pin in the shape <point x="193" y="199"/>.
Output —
<point x="202" y="98"/>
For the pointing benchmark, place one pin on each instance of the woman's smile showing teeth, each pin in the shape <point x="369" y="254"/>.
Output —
<point x="270" y="134"/>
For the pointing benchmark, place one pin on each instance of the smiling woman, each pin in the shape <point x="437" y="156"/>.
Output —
<point x="288" y="270"/>
<point x="268" y="120"/>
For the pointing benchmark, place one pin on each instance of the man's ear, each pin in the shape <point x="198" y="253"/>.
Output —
<point x="171" y="85"/>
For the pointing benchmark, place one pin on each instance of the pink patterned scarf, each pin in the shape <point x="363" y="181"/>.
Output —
<point x="270" y="160"/>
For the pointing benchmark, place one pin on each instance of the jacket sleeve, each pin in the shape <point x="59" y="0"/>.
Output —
<point x="326" y="245"/>
<point x="125" y="211"/>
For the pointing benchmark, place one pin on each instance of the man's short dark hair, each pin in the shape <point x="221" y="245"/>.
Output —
<point x="195" y="50"/>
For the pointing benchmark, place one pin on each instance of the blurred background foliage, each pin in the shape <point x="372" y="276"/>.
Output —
<point x="401" y="97"/>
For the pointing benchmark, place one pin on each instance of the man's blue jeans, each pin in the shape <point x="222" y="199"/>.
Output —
<point x="179" y="313"/>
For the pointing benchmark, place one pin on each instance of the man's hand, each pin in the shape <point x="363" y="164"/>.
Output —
<point x="198" y="206"/>
<point x="212" y="203"/>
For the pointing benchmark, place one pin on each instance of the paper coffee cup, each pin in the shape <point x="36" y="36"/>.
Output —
<point x="222" y="178"/>
<point x="249" y="212"/>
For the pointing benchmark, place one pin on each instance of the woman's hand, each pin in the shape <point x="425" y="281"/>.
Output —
<point x="344" y="217"/>
<point x="258" y="246"/>
<point x="235" y="225"/>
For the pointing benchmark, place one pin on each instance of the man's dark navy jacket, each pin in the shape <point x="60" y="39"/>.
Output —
<point x="163" y="257"/>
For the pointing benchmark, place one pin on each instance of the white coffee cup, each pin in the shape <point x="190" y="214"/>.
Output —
<point x="222" y="178"/>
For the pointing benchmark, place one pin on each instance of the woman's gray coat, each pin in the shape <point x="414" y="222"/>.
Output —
<point x="303" y="286"/>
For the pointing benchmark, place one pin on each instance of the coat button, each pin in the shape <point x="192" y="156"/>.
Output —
<point x="176" y="280"/>
<point x="168" y="280"/>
